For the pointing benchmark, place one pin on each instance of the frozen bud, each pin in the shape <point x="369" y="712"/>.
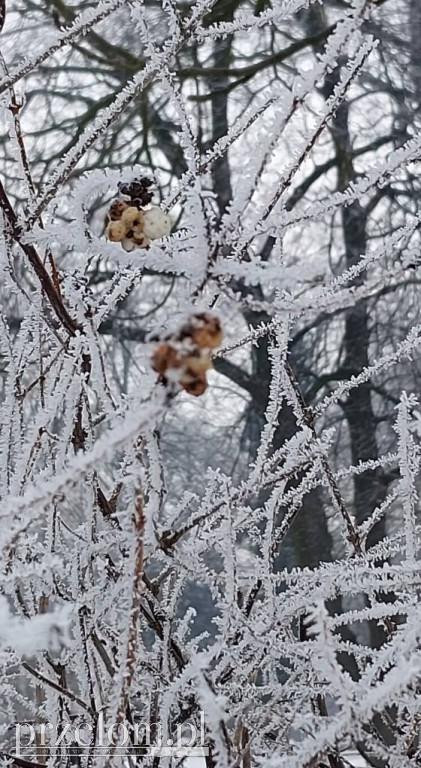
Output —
<point x="128" y="244"/>
<point x="133" y="219"/>
<point x="116" y="209"/>
<point x="140" y="240"/>
<point x="156" y="223"/>
<point x="115" y="231"/>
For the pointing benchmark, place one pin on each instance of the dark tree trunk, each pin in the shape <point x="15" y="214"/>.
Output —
<point x="415" y="47"/>
<point x="369" y="488"/>
<point x="309" y="541"/>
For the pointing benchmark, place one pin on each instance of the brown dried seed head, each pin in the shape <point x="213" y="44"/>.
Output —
<point x="137" y="188"/>
<point x="195" y="386"/>
<point x="193" y="379"/>
<point x="143" y="201"/>
<point x="186" y="358"/>
<point x="165" y="357"/>
<point x="206" y="338"/>
<point x="140" y="240"/>
<point x="116" y="209"/>
<point x="197" y="364"/>
<point x="115" y="231"/>
<point x="146" y="198"/>
<point x="206" y="331"/>
<point x="138" y="223"/>
<point x="132" y="218"/>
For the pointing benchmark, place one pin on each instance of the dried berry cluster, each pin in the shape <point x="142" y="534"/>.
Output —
<point x="186" y="358"/>
<point x="133" y="222"/>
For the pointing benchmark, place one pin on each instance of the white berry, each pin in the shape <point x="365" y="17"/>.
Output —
<point x="156" y="223"/>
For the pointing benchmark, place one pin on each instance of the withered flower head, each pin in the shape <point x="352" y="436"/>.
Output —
<point x="195" y="386"/>
<point x="185" y="359"/>
<point x="204" y="330"/>
<point x="133" y="219"/>
<point x="164" y="358"/>
<point x="138" y="190"/>
<point x="197" y="364"/>
<point x="116" y="209"/>
<point x="115" y="231"/>
<point x="140" y="240"/>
